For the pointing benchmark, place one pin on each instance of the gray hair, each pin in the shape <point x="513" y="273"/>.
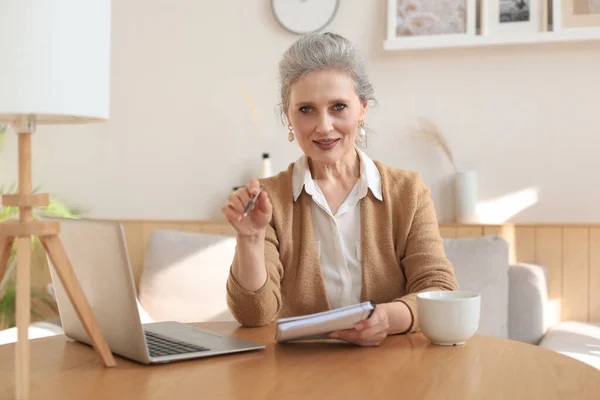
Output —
<point x="319" y="51"/>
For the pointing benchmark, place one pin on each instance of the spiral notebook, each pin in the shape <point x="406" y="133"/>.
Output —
<point x="320" y="325"/>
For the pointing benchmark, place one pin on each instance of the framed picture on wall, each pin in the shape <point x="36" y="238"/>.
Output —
<point x="430" y="18"/>
<point x="505" y="17"/>
<point x="580" y="13"/>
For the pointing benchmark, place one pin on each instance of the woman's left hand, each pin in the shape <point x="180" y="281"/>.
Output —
<point x="370" y="332"/>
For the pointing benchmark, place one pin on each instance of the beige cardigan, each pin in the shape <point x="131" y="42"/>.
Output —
<point x="402" y="252"/>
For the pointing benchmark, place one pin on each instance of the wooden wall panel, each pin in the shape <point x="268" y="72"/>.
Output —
<point x="470" y="231"/>
<point x="455" y="230"/>
<point x="549" y="253"/>
<point x="448" y="232"/>
<point x="489" y="230"/>
<point x="525" y="244"/>
<point x="509" y="234"/>
<point x="594" y="282"/>
<point x="576" y="264"/>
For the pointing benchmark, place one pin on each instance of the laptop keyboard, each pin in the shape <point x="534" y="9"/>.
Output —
<point x="159" y="346"/>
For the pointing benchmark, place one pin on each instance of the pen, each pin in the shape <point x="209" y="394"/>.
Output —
<point x="252" y="202"/>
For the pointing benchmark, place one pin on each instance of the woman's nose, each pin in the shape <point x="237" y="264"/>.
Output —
<point x="324" y="125"/>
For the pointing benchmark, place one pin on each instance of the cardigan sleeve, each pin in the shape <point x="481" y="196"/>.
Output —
<point x="260" y="307"/>
<point x="425" y="263"/>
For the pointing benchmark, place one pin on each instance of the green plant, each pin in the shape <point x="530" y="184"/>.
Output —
<point x="40" y="299"/>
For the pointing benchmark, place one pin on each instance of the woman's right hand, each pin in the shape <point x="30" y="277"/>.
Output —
<point x="257" y="220"/>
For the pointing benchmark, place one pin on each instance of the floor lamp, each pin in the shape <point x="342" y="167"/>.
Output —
<point x="54" y="69"/>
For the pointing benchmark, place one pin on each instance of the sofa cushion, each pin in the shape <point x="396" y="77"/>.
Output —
<point x="580" y="340"/>
<point x="481" y="265"/>
<point x="184" y="276"/>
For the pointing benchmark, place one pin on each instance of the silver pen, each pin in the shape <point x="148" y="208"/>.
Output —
<point x="252" y="202"/>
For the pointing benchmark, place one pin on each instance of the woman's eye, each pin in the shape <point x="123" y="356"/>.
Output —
<point x="305" y="109"/>
<point x="339" y="107"/>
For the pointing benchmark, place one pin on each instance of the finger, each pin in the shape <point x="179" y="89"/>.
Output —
<point x="347" y="335"/>
<point x="264" y="204"/>
<point x="230" y="214"/>
<point x="360" y="335"/>
<point x="235" y="202"/>
<point x="369" y="323"/>
<point x="379" y="317"/>
<point x="373" y="330"/>
<point x="253" y="186"/>
<point x="379" y="339"/>
<point x="243" y="197"/>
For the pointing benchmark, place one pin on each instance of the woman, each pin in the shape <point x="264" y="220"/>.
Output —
<point x="335" y="228"/>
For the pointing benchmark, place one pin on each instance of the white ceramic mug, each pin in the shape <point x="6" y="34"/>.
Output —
<point x="448" y="317"/>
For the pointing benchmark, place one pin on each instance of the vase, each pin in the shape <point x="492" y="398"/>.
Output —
<point x="465" y="196"/>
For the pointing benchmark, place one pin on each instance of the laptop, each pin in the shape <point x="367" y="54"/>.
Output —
<point x="99" y="258"/>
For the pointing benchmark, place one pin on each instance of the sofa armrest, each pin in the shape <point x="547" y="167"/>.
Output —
<point x="527" y="303"/>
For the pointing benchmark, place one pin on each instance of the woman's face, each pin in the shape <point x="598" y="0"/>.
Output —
<point x="324" y="111"/>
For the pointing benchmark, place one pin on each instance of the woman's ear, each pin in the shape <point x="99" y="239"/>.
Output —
<point x="363" y="110"/>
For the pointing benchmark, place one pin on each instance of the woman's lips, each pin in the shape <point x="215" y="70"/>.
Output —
<point x="326" y="144"/>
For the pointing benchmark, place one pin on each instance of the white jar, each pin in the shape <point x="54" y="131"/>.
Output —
<point x="266" y="169"/>
<point x="465" y="196"/>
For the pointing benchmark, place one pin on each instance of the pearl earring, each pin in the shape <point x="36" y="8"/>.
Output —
<point x="290" y="133"/>
<point x="361" y="130"/>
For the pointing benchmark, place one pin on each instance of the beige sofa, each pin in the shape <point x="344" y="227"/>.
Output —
<point x="184" y="278"/>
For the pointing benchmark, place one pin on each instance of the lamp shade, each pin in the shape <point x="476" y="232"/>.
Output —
<point x="55" y="60"/>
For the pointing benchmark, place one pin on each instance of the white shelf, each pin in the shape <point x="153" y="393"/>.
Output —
<point x="456" y="41"/>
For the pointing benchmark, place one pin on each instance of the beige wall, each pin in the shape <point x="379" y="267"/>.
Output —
<point x="181" y="133"/>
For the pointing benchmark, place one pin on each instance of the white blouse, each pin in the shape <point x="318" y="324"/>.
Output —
<point x="338" y="235"/>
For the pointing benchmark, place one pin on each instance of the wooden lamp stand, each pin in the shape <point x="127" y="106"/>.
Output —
<point x="47" y="231"/>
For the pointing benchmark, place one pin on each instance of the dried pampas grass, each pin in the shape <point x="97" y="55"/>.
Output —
<point x="253" y="113"/>
<point x="432" y="132"/>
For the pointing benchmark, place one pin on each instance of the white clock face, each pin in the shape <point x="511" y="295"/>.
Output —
<point x="304" y="16"/>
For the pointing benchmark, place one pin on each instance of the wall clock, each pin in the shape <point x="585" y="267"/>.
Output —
<point x="304" y="16"/>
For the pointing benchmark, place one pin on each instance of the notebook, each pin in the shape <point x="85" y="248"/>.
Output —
<point x="320" y="325"/>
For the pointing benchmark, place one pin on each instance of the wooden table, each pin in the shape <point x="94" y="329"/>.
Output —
<point x="404" y="366"/>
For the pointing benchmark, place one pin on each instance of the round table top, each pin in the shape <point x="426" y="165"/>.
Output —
<point x="404" y="366"/>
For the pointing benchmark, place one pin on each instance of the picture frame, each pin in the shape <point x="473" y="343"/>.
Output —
<point x="508" y="17"/>
<point x="427" y="20"/>
<point x="578" y="13"/>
